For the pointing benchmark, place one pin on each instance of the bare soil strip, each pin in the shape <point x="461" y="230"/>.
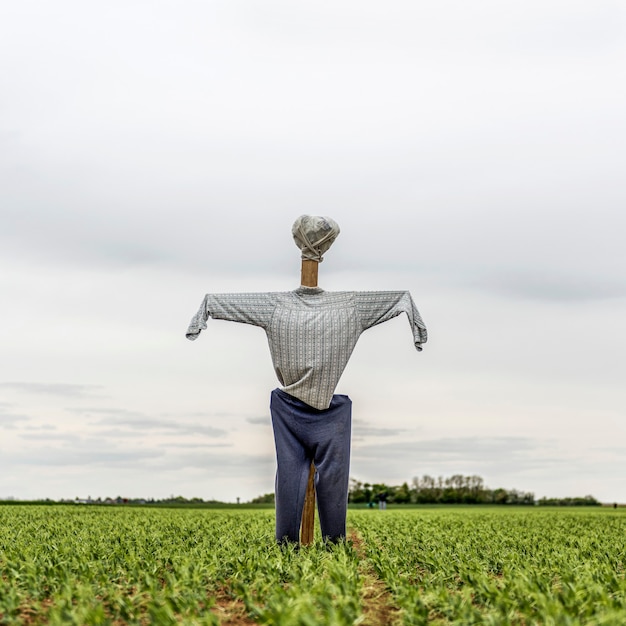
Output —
<point x="377" y="602"/>
<point x="231" y="611"/>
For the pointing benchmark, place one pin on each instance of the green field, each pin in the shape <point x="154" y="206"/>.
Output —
<point x="115" y="565"/>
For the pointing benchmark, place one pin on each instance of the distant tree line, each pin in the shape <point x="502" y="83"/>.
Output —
<point x="584" y="501"/>
<point x="457" y="489"/>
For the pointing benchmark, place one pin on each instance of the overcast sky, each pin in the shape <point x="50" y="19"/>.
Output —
<point x="471" y="152"/>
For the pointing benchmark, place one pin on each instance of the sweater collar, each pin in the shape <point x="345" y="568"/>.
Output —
<point x="308" y="290"/>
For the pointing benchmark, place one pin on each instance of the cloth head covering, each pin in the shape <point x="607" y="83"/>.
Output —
<point x="314" y="234"/>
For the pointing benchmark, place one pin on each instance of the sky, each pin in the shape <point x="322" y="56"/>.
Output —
<point x="152" y="152"/>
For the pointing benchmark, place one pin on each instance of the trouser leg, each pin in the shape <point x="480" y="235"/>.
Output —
<point x="332" y="462"/>
<point x="292" y="471"/>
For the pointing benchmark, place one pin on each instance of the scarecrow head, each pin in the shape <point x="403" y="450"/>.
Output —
<point x="314" y="235"/>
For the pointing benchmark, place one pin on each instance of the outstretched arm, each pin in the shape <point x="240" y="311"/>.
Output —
<point x="247" y="308"/>
<point x="376" y="307"/>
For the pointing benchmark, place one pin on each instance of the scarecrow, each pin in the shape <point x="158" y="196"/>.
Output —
<point x="311" y="335"/>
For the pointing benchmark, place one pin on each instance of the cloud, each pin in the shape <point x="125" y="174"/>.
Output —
<point x="209" y="414"/>
<point x="52" y="435"/>
<point x="55" y="389"/>
<point x="90" y="452"/>
<point x="551" y="286"/>
<point x="362" y="429"/>
<point x="460" y="447"/>
<point x="9" y="420"/>
<point x="611" y="452"/>
<point x="261" y="421"/>
<point x="152" y="426"/>
<point x="197" y="445"/>
<point x="221" y="465"/>
<point x="135" y="421"/>
<point x="470" y="454"/>
<point x="89" y="411"/>
<point x="82" y="452"/>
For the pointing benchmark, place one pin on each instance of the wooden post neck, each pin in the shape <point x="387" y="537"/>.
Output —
<point x="308" y="276"/>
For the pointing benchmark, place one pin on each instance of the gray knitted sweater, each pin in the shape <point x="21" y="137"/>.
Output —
<point x="311" y="332"/>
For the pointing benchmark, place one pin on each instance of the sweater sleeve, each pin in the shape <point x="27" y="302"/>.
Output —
<point x="376" y="307"/>
<point x="247" y="308"/>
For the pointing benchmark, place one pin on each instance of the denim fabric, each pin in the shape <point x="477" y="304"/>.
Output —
<point x="303" y="434"/>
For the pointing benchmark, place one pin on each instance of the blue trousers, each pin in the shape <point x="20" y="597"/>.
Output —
<point x="303" y="434"/>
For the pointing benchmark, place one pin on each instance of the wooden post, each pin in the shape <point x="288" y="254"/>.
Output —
<point x="307" y="527"/>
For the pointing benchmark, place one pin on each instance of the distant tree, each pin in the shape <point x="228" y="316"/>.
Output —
<point x="367" y="492"/>
<point x="356" y="492"/>
<point x="381" y="490"/>
<point x="402" y="494"/>
<point x="267" y="498"/>
<point x="499" y="496"/>
<point x="361" y="493"/>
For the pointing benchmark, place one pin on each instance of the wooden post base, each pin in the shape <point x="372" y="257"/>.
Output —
<point x="307" y="528"/>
